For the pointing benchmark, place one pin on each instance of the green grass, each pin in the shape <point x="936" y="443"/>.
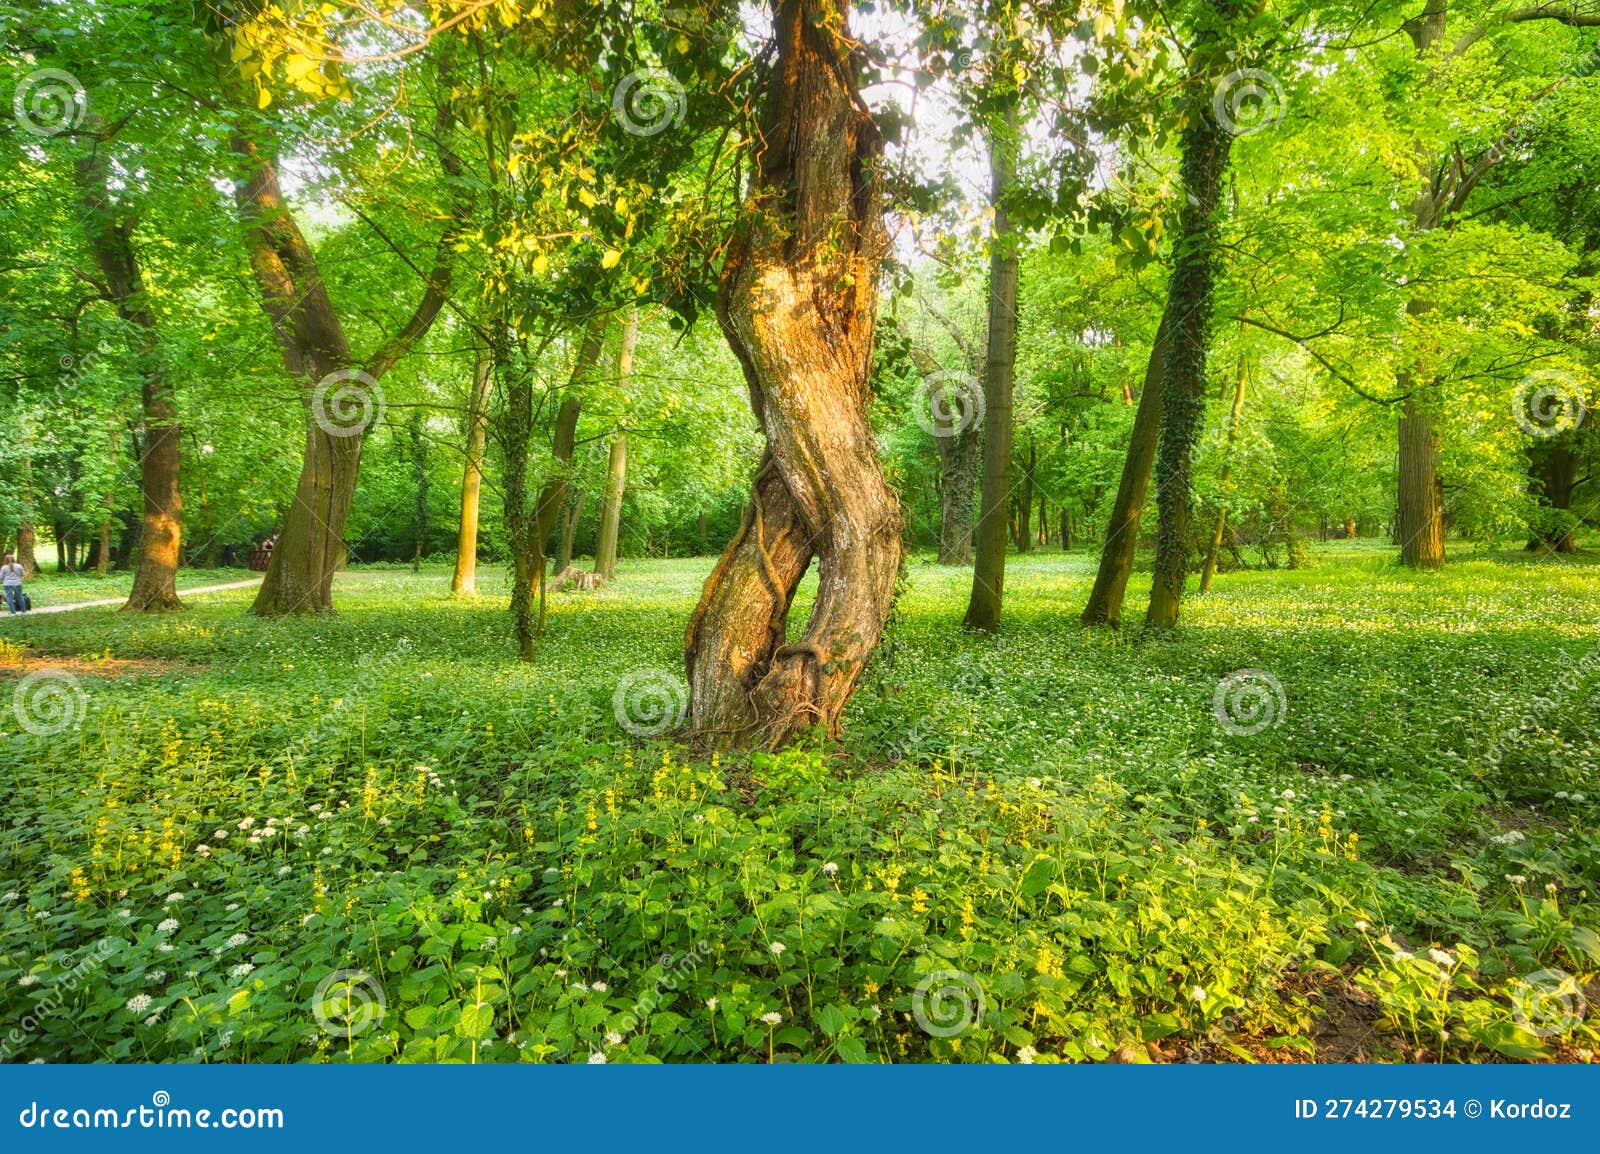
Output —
<point x="1038" y="846"/>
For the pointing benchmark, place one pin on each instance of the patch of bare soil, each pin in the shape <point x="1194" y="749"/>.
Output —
<point x="16" y="665"/>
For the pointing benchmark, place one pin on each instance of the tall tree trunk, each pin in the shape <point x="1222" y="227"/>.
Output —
<point x="1025" y="504"/>
<point x="570" y="516"/>
<point x="342" y="401"/>
<point x="958" y="437"/>
<point x="798" y="305"/>
<point x="464" y="582"/>
<point x="1552" y="478"/>
<point x="1419" y="523"/>
<point x="1241" y="378"/>
<point x="419" y="466"/>
<point x="155" y="581"/>
<point x="605" y="549"/>
<point x="26" y="544"/>
<point x="1206" y="145"/>
<point x="530" y="523"/>
<point x="989" y="570"/>
<point x="1122" y="531"/>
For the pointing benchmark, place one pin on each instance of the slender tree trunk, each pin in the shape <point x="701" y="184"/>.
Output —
<point x="1241" y="378"/>
<point x="419" y="468"/>
<point x="1066" y="531"/>
<point x="989" y="570"/>
<point x="530" y="523"/>
<point x="1206" y="145"/>
<point x="798" y="305"/>
<point x="464" y="583"/>
<point x="570" y="516"/>
<point x="605" y="549"/>
<point x="1122" y="531"/>
<point x="155" y="578"/>
<point x="1025" y="504"/>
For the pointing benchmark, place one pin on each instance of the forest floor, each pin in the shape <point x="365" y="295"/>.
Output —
<point x="1346" y="813"/>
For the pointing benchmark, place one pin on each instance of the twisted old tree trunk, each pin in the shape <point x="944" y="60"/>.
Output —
<point x="798" y="302"/>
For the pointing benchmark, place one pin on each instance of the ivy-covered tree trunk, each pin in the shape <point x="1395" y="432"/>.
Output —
<point x="798" y="304"/>
<point x="989" y="568"/>
<point x="1206" y="145"/>
<point x="111" y="237"/>
<point x="464" y="582"/>
<point x="1122" y="530"/>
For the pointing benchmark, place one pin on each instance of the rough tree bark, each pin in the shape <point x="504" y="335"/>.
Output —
<point x="989" y="568"/>
<point x="1122" y="531"/>
<point x="798" y="303"/>
<point x="605" y="549"/>
<point x="155" y="580"/>
<point x="341" y="399"/>
<point x="1206" y="145"/>
<point x="464" y="582"/>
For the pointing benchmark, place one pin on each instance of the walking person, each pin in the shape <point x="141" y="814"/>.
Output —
<point x="11" y="582"/>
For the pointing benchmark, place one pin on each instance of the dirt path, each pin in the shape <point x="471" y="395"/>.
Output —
<point x="123" y="600"/>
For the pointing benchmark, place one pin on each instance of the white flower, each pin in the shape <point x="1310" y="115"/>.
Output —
<point x="1577" y="797"/>
<point x="1510" y="837"/>
<point x="165" y="947"/>
<point x="1198" y="994"/>
<point x="711" y="1003"/>
<point x="124" y="913"/>
<point x="830" y="868"/>
<point x="239" y="971"/>
<point x="28" y="979"/>
<point x="246" y="823"/>
<point x="9" y="896"/>
<point x="166" y="925"/>
<point x="1443" y="958"/>
<point x="1403" y="955"/>
<point x="1362" y="926"/>
<point x="153" y="1018"/>
<point x="202" y="850"/>
<point x="285" y="870"/>
<point x="597" y="1059"/>
<point x="772" y="1018"/>
<point x="173" y="898"/>
<point x="237" y="940"/>
<point x="613" y="1038"/>
<point x="1026" y="1055"/>
<point x="777" y="948"/>
<point x="157" y="976"/>
<point x="580" y="986"/>
<point x="139" y="1003"/>
<point x="1287" y="795"/>
<point x="1517" y="879"/>
<point x="221" y="835"/>
<point x="599" y="987"/>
